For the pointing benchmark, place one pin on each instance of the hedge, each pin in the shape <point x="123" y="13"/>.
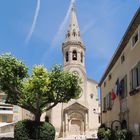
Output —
<point x="27" y="129"/>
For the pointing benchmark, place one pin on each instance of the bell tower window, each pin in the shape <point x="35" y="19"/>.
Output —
<point x="74" y="33"/>
<point x="68" y="34"/>
<point x="81" y="57"/>
<point x="67" y="56"/>
<point x="74" y="55"/>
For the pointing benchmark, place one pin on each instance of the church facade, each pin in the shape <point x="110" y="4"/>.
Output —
<point x="78" y="117"/>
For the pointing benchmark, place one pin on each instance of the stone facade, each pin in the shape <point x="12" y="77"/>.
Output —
<point x="76" y="118"/>
<point x="125" y="68"/>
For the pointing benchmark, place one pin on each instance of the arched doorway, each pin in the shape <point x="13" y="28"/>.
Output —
<point x="75" y="127"/>
<point x="75" y="120"/>
<point x="76" y="123"/>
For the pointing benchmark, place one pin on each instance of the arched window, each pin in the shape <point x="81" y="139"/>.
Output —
<point x="81" y="57"/>
<point x="74" y="55"/>
<point x="68" y="34"/>
<point x="74" y="33"/>
<point x="67" y="56"/>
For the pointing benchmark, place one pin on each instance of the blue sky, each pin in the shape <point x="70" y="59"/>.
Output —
<point x="102" y="23"/>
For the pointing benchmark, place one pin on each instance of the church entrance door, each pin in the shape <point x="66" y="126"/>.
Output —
<point x="75" y="128"/>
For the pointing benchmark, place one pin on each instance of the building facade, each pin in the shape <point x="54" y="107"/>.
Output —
<point x="11" y="113"/>
<point x="120" y="84"/>
<point x="77" y="117"/>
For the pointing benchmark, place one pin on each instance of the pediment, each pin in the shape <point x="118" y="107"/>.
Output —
<point x="76" y="106"/>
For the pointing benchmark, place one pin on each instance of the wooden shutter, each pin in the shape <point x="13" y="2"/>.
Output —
<point x="104" y="104"/>
<point x="134" y="78"/>
<point x="125" y="86"/>
<point x="110" y="101"/>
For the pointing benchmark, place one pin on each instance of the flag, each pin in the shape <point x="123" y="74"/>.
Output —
<point x="113" y="95"/>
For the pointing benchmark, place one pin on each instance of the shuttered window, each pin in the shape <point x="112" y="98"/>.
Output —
<point x="135" y="77"/>
<point x="123" y="92"/>
<point x="104" y="105"/>
<point x="4" y="119"/>
<point x="109" y="101"/>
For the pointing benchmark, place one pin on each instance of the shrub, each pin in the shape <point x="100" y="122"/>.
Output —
<point x="27" y="129"/>
<point x="105" y="133"/>
<point x="123" y="134"/>
<point x="20" y="131"/>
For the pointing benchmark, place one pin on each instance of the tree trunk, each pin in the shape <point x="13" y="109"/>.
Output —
<point x="37" y="121"/>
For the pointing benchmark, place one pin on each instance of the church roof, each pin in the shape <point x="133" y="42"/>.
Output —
<point x="94" y="81"/>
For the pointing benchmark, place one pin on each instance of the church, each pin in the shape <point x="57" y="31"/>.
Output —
<point x="79" y="117"/>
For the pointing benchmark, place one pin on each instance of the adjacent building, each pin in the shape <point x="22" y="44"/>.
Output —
<point x="79" y="117"/>
<point x="120" y="83"/>
<point x="11" y="113"/>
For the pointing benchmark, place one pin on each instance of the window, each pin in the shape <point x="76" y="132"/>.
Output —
<point x="105" y="84"/>
<point x="122" y="58"/>
<point x="123" y="87"/>
<point x="68" y="34"/>
<point x="91" y="95"/>
<point x="107" y="103"/>
<point x="135" y="77"/>
<point x="74" y="55"/>
<point x="74" y="33"/>
<point x="135" y="39"/>
<point x="109" y="77"/>
<point x="104" y="105"/>
<point x="67" y="56"/>
<point x="15" y="109"/>
<point x="4" y="119"/>
<point x="81" y="57"/>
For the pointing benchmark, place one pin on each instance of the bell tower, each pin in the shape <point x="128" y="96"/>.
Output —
<point x="73" y="47"/>
<point x="74" y="50"/>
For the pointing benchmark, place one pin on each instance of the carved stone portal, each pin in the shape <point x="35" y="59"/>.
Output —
<point x="75" y="120"/>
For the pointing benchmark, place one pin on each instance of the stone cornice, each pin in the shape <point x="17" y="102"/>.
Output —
<point x="73" y="43"/>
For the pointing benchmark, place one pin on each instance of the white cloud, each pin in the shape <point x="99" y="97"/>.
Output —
<point x="34" y="21"/>
<point x="61" y="31"/>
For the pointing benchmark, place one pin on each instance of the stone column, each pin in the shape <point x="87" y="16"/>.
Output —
<point x="86" y="122"/>
<point x="70" y="56"/>
<point x="66" y="122"/>
<point x="78" y="56"/>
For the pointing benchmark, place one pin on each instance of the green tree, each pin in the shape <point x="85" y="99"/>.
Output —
<point x="40" y="91"/>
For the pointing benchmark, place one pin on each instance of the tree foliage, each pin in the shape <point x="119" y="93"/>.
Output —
<point x="39" y="91"/>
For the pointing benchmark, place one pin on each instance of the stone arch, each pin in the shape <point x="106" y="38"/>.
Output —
<point x="76" y="120"/>
<point x="74" y="55"/>
<point x="74" y="33"/>
<point x="68" y="34"/>
<point x="67" y="56"/>
<point x="81" y="57"/>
